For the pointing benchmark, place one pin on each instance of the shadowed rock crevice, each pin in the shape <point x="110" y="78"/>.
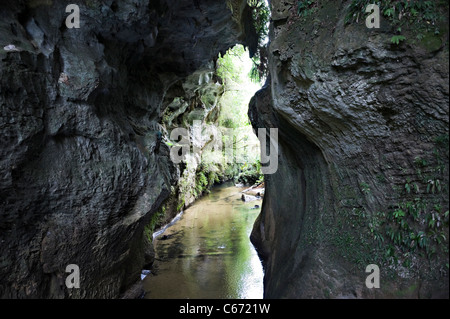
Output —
<point x="289" y="213"/>
<point x="362" y="125"/>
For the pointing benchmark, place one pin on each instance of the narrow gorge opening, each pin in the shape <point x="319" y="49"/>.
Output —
<point x="217" y="152"/>
<point x="205" y="250"/>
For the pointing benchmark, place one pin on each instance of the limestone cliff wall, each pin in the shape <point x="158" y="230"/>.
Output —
<point x="363" y="146"/>
<point x="81" y="110"/>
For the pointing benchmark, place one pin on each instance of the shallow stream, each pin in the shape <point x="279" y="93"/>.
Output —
<point x="207" y="253"/>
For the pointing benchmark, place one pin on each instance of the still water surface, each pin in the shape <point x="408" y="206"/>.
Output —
<point x="207" y="252"/>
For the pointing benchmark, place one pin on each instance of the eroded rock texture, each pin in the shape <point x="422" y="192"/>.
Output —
<point x="80" y="109"/>
<point x="363" y="127"/>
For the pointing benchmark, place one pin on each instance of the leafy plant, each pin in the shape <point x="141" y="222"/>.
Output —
<point x="413" y="210"/>
<point x="389" y="12"/>
<point x="250" y="173"/>
<point x="398" y="214"/>
<point x="155" y="222"/>
<point x="408" y="186"/>
<point x="420" y="162"/>
<point x="434" y="185"/>
<point x="442" y="140"/>
<point x="380" y="177"/>
<point x="422" y="240"/>
<point x="305" y="7"/>
<point x="365" y="188"/>
<point x="396" y="39"/>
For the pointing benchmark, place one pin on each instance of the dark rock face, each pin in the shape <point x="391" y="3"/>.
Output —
<point x="363" y="128"/>
<point x="363" y="133"/>
<point x="80" y="113"/>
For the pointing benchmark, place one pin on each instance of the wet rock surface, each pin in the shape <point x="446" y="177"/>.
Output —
<point x="81" y="175"/>
<point x="356" y="117"/>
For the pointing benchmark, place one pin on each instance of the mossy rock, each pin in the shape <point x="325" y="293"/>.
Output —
<point x="38" y="3"/>
<point x="431" y="42"/>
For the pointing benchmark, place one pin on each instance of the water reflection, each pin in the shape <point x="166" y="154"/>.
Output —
<point x="207" y="252"/>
